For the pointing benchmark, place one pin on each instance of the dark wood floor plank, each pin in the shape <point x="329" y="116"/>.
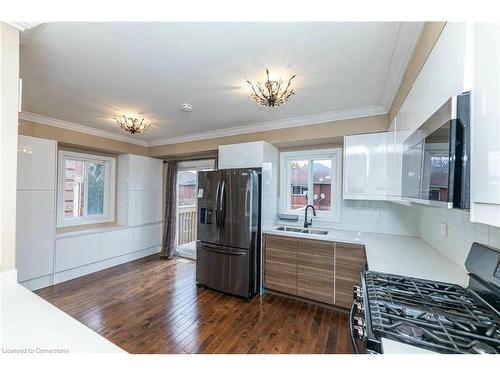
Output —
<point x="153" y="306"/>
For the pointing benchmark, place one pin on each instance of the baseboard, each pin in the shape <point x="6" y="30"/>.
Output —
<point x="73" y="273"/>
<point x="38" y="283"/>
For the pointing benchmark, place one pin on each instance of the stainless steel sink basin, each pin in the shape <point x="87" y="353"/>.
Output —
<point x="291" y="229"/>
<point x="320" y="232"/>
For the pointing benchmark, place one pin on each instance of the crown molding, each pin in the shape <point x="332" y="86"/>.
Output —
<point x="34" y="117"/>
<point x="408" y="35"/>
<point x="344" y="114"/>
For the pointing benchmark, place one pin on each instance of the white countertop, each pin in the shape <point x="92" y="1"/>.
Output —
<point x="401" y="255"/>
<point x="30" y="324"/>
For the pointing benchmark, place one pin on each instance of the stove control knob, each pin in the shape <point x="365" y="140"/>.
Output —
<point x="359" y="321"/>
<point x="358" y="307"/>
<point x="356" y="293"/>
<point x="360" y="332"/>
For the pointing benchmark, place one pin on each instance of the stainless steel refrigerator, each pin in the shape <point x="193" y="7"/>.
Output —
<point x="228" y="231"/>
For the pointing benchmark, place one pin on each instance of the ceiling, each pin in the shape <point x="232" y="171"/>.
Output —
<point x="88" y="73"/>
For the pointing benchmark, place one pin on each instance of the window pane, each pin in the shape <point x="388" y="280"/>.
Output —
<point x="186" y="181"/>
<point x="322" y="184"/>
<point x="299" y="180"/>
<point x="96" y="177"/>
<point x="74" y="190"/>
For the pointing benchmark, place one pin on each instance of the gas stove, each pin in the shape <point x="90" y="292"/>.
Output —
<point x="436" y="316"/>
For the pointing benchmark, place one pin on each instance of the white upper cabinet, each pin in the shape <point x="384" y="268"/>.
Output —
<point x="139" y="190"/>
<point x="241" y="155"/>
<point x="258" y="154"/>
<point x="442" y="76"/>
<point x="37" y="163"/>
<point x="365" y="166"/>
<point x="485" y="125"/>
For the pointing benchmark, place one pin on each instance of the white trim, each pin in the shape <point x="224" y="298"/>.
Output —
<point x="408" y="36"/>
<point x="109" y="190"/>
<point x="344" y="114"/>
<point x="29" y="116"/>
<point x="23" y="25"/>
<point x="336" y="155"/>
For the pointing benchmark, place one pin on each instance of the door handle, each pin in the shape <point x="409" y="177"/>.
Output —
<point x="217" y="197"/>
<point x="209" y="248"/>
<point x="222" y="208"/>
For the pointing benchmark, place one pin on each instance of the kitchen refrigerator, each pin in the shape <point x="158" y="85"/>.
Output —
<point x="228" y="231"/>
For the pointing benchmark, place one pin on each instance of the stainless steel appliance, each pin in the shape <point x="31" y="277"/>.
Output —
<point x="228" y="242"/>
<point x="436" y="316"/>
<point x="436" y="157"/>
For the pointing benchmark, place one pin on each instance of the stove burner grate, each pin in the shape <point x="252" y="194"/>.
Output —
<point x="437" y="316"/>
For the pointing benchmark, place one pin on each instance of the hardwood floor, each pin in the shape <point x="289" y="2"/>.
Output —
<point x="153" y="306"/>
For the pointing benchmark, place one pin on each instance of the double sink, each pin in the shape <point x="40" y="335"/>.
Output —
<point x="320" y="232"/>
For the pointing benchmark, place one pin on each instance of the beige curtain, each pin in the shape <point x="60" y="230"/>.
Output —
<point x="168" y="248"/>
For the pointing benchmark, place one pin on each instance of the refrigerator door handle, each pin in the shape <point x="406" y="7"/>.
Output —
<point x="217" y="197"/>
<point x="222" y="208"/>
<point x="218" y="250"/>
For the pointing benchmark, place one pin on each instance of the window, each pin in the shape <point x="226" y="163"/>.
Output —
<point x="311" y="177"/>
<point x="86" y="189"/>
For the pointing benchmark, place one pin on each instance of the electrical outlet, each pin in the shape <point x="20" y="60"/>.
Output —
<point x="444" y="230"/>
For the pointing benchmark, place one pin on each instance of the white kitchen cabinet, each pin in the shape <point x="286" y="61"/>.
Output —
<point x="442" y="76"/>
<point x="36" y="159"/>
<point x="147" y="236"/>
<point x="77" y="251"/>
<point x="258" y="154"/>
<point x="140" y="181"/>
<point x="35" y="228"/>
<point x="485" y="125"/>
<point x="144" y="173"/>
<point x="365" y="166"/>
<point x="116" y="242"/>
<point x="241" y="155"/>
<point x="36" y="208"/>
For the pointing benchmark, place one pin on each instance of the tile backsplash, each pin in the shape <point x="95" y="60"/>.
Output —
<point x="461" y="233"/>
<point x="419" y="221"/>
<point x="372" y="216"/>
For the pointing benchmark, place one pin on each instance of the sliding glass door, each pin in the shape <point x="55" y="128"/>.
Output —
<point x="187" y="189"/>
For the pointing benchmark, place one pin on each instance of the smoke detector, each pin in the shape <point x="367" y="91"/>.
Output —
<point x="186" y="107"/>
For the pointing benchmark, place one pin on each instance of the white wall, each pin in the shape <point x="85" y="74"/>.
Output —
<point x="9" y="86"/>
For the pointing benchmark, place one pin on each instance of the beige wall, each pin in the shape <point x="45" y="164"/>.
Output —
<point x="77" y="139"/>
<point x="426" y="42"/>
<point x="9" y="85"/>
<point x="324" y="133"/>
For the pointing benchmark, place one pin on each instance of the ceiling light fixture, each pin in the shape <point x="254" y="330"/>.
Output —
<point x="271" y="93"/>
<point x="132" y="124"/>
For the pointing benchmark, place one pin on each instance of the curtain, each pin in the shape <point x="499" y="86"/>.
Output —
<point x="168" y="248"/>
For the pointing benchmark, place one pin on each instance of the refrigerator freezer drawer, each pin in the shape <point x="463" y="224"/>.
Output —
<point x="224" y="269"/>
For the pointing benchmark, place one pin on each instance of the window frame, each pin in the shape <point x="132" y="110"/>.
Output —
<point x="335" y="155"/>
<point x="108" y="214"/>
